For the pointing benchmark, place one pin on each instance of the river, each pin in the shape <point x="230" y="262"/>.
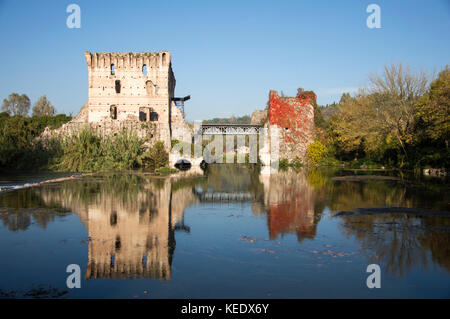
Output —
<point x="229" y="233"/>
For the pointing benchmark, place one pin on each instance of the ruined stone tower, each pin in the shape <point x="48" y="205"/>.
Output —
<point x="134" y="86"/>
<point x="128" y="90"/>
<point x="131" y="86"/>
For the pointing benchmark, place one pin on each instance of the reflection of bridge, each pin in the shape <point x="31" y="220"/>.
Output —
<point x="230" y="129"/>
<point x="226" y="197"/>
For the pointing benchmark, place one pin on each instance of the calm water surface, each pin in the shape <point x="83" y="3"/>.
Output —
<point x="232" y="233"/>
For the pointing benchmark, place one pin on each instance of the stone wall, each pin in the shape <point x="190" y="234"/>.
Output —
<point x="259" y="117"/>
<point x="148" y="131"/>
<point x="180" y="129"/>
<point x="294" y="119"/>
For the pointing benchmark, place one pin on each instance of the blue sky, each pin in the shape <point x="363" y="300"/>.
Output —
<point x="226" y="54"/>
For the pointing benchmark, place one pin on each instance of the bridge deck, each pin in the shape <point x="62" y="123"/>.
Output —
<point x="231" y="129"/>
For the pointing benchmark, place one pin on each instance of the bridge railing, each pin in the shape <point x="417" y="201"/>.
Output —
<point x="230" y="129"/>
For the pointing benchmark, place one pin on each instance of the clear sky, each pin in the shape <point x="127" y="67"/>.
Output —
<point x="226" y="54"/>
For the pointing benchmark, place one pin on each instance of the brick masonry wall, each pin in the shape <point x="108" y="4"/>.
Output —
<point x="294" y="117"/>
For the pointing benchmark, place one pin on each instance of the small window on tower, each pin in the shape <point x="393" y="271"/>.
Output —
<point x="112" y="69"/>
<point x="143" y="114"/>
<point x="149" y="87"/>
<point x="153" y="116"/>
<point x="113" y="112"/>
<point x="117" y="86"/>
<point x="144" y="70"/>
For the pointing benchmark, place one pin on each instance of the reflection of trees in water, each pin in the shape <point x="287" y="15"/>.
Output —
<point x="21" y="219"/>
<point x="24" y="208"/>
<point x="347" y="196"/>
<point x="401" y="242"/>
<point x="437" y="240"/>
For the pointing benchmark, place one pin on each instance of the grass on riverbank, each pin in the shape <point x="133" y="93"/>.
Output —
<point x="87" y="151"/>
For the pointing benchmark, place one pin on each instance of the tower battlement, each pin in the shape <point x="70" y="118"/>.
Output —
<point x="127" y="60"/>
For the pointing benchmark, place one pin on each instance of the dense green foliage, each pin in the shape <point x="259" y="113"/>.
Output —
<point x="19" y="146"/>
<point x="156" y="157"/>
<point x="398" y="121"/>
<point x="87" y="151"/>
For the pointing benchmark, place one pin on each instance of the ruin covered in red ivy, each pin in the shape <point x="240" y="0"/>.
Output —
<point x="294" y="116"/>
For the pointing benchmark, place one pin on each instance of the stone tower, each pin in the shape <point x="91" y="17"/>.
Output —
<point x="133" y="91"/>
<point x="131" y="87"/>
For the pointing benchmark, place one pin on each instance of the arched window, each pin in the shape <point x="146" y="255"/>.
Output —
<point x="150" y="87"/>
<point x="144" y="70"/>
<point x="112" y="69"/>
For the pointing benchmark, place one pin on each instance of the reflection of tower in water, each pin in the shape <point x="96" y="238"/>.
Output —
<point x="289" y="204"/>
<point x="131" y="232"/>
<point x="130" y="241"/>
<point x="136" y="243"/>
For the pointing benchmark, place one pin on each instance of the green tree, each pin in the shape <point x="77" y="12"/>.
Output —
<point x="346" y="97"/>
<point x="433" y="109"/>
<point x="159" y="156"/>
<point x="43" y="107"/>
<point x="382" y="116"/>
<point x="396" y="93"/>
<point x="16" y="104"/>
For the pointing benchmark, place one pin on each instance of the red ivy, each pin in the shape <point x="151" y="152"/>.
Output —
<point x="290" y="115"/>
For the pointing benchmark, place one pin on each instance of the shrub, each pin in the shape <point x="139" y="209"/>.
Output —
<point x="86" y="151"/>
<point x="156" y="156"/>
<point x="165" y="170"/>
<point x="81" y="152"/>
<point x="316" y="152"/>
<point x="283" y="164"/>
<point x="296" y="163"/>
<point x="122" y="150"/>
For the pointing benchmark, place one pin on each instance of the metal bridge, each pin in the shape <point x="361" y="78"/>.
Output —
<point x="230" y="129"/>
